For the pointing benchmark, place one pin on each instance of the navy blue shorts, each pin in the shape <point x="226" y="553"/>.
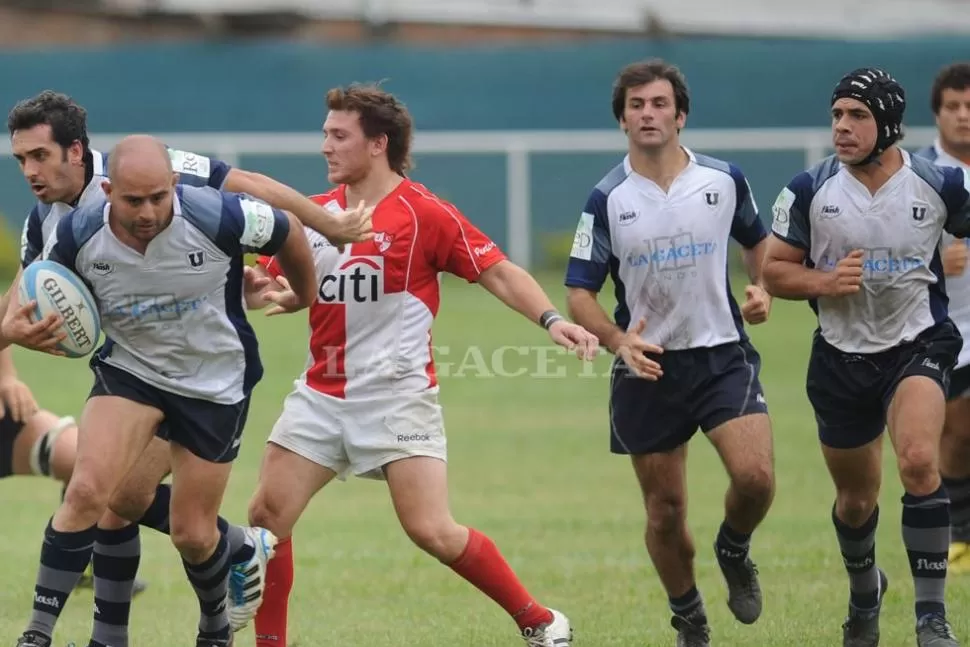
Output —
<point x="9" y="430"/>
<point x="851" y="392"/>
<point x="209" y="430"/>
<point x="700" y="387"/>
<point x="959" y="383"/>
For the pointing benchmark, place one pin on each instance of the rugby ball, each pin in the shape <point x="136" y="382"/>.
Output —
<point x="58" y="290"/>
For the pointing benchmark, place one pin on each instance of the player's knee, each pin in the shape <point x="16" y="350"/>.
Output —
<point x="756" y="485"/>
<point x="444" y="539"/>
<point x="918" y="467"/>
<point x="270" y="513"/>
<point x="666" y="512"/>
<point x="86" y="497"/>
<point x="131" y="505"/>
<point x="855" y="508"/>
<point x="194" y="538"/>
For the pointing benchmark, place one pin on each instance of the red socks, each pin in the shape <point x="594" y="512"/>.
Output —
<point x="271" y="617"/>
<point x="482" y="564"/>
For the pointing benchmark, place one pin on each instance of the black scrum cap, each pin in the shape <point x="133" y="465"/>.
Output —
<point x="883" y="95"/>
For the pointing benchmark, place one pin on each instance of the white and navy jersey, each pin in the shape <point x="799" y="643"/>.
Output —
<point x="193" y="170"/>
<point x="957" y="287"/>
<point x="828" y="213"/>
<point x="174" y="316"/>
<point x="667" y="252"/>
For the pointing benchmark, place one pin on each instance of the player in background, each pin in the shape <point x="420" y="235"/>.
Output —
<point x="659" y="225"/>
<point x="950" y="100"/>
<point x="181" y="247"/>
<point x="858" y="236"/>
<point x="376" y="302"/>
<point x="50" y="142"/>
<point x="33" y="442"/>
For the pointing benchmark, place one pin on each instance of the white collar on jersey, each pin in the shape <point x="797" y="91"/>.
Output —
<point x="907" y="158"/>
<point x="97" y="163"/>
<point x="628" y="168"/>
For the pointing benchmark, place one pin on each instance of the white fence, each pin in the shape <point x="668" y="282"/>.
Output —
<point x="517" y="146"/>
<point x="822" y="18"/>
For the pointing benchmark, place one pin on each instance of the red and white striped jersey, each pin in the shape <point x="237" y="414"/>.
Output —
<point x="370" y="327"/>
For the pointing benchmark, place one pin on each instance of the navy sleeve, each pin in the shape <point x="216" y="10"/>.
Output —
<point x="249" y="225"/>
<point x="956" y="196"/>
<point x="746" y="228"/>
<point x="589" y="259"/>
<point x="32" y="238"/>
<point x="62" y="247"/>
<point x="198" y="170"/>
<point x="790" y="213"/>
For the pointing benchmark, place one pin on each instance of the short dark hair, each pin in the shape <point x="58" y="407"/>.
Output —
<point x="68" y="120"/>
<point x="380" y="113"/>
<point x="655" y="69"/>
<point x="955" y="76"/>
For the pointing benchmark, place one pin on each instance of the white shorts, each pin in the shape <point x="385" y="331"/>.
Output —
<point x="360" y="436"/>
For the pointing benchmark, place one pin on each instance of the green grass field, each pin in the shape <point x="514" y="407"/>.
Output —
<point x="530" y="466"/>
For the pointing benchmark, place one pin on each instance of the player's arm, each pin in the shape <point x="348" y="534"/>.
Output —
<point x="956" y="197"/>
<point x="15" y="396"/>
<point x="18" y="326"/>
<point x="31" y="246"/>
<point x="749" y="231"/>
<point x="517" y="289"/>
<point x="260" y="282"/>
<point x="339" y="228"/>
<point x="456" y="246"/>
<point x="296" y="263"/>
<point x="747" y="228"/>
<point x="785" y="274"/>
<point x="784" y="271"/>
<point x="586" y="272"/>
<point x="787" y="277"/>
<point x="251" y="226"/>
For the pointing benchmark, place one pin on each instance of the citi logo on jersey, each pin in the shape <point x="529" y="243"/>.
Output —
<point x="358" y="280"/>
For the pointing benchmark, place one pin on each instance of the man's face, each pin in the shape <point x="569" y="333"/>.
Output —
<point x="141" y="202"/>
<point x="50" y="170"/>
<point x="349" y="153"/>
<point x="953" y="120"/>
<point x="650" y="117"/>
<point x="854" y="130"/>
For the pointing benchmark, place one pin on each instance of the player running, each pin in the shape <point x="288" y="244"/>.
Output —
<point x="950" y="100"/>
<point x="368" y="403"/>
<point x="155" y="243"/>
<point x="50" y="141"/>
<point x="659" y="224"/>
<point x="858" y="236"/>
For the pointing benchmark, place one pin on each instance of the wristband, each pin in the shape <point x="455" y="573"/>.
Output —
<point x="549" y="317"/>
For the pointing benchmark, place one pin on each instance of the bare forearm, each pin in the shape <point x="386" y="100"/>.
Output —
<point x="753" y="260"/>
<point x="517" y="289"/>
<point x="4" y="306"/>
<point x="788" y="280"/>
<point x="277" y="195"/>
<point x="296" y="261"/>
<point x="8" y="303"/>
<point x="586" y="311"/>
<point x="7" y="368"/>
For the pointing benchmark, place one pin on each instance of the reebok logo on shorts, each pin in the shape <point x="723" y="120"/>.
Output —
<point x="410" y="438"/>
